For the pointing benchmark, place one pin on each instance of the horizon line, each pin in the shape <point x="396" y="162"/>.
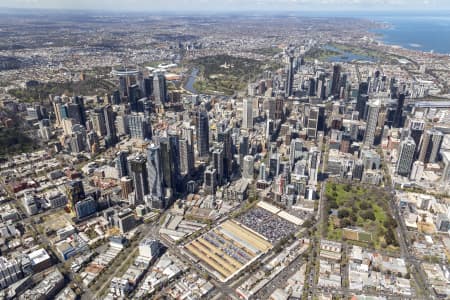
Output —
<point x="349" y="11"/>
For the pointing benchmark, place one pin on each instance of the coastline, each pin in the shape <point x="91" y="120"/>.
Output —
<point x="393" y="32"/>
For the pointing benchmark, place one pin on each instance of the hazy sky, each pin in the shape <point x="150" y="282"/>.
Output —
<point x="231" y="5"/>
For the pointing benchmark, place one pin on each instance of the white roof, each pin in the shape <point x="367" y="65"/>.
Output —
<point x="290" y="218"/>
<point x="268" y="207"/>
<point x="38" y="256"/>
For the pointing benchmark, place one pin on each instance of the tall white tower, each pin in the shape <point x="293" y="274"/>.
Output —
<point x="247" y="114"/>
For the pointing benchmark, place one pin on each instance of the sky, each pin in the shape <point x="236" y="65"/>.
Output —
<point x="232" y="5"/>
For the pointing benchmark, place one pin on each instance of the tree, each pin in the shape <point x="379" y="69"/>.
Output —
<point x="334" y="205"/>
<point x="390" y="222"/>
<point x="345" y="223"/>
<point x="368" y="215"/>
<point x="390" y="237"/>
<point x="307" y="223"/>
<point x="343" y="213"/>
<point x="365" y="205"/>
<point x="347" y="188"/>
<point x="353" y="216"/>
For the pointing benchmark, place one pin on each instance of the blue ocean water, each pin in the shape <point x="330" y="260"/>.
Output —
<point x="427" y="33"/>
<point x="427" y="30"/>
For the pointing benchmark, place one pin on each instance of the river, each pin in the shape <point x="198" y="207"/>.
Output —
<point x="189" y="86"/>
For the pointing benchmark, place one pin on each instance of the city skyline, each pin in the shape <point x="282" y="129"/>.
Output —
<point x="284" y="149"/>
<point x="234" y="5"/>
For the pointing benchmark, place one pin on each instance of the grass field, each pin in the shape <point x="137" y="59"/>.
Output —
<point x="320" y="54"/>
<point x="269" y="51"/>
<point x="90" y="86"/>
<point x="361" y="206"/>
<point x="216" y="78"/>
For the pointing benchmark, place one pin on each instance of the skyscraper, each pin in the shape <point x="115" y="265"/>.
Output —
<point x="248" y="168"/>
<point x="185" y="166"/>
<point x="336" y="77"/>
<point x="79" y="101"/>
<point x="371" y="125"/>
<point x="109" y="116"/>
<point x="247" y="114"/>
<point x="311" y="87"/>
<point x="430" y="146"/>
<point x="279" y="108"/>
<point x="314" y="163"/>
<point x="218" y="162"/>
<point x="98" y="122"/>
<point x="320" y="86"/>
<point x="406" y="157"/>
<point x="174" y="142"/>
<point x="74" y="110"/>
<point x="121" y="164"/>
<point x="361" y="103"/>
<point x="270" y="130"/>
<point x="269" y="106"/>
<point x="316" y="121"/>
<point x="225" y="139"/>
<point x="75" y="193"/>
<point x="138" y="173"/>
<point x="123" y="86"/>
<point x="92" y="141"/>
<point x="243" y="145"/>
<point x="144" y="106"/>
<point x="363" y="88"/>
<point x="148" y="86"/>
<point x="134" y="95"/>
<point x="116" y="98"/>
<point x="126" y="186"/>
<point x="166" y="162"/>
<point x="210" y="180"/>
<point x="139" y="126"/>
<point x="187" y="152"/>
<point x="85" y="207"/>
<point x="262" y="172"/>
<point x="155" y="173"/>
<point x="416" y="128"/>
<point x="78" y="139"/>
<point x="290" y="77"/>
<point x="159" y="88"/>
<point x="274" y="165"/>
<point x="296" y="151"/>
<point x="202" y="127"/>
<point x="398" y="120"/>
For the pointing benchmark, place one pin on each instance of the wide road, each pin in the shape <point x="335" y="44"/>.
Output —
<point x="280" y="280"/>
<point x="402" y="237"/>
